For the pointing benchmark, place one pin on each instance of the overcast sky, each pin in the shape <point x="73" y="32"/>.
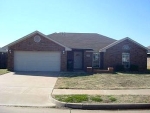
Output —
<point x="113" y="18"/>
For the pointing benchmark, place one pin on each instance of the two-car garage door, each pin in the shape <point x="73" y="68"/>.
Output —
<point x="36" y="61"/>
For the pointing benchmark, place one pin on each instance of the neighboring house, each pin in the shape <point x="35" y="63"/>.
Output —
<point x="148" y="49"/>
<point x="73" y="51"/>
<point x="148" y="58"/>
<point x="3" y="59"/>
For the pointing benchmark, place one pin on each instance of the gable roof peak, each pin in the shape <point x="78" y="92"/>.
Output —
<point x="121" y="40"/>
<point x="31" y="34"/>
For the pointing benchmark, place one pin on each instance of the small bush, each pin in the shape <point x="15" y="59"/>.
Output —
<point x="134" y="68"/>
<point x="96" y="98"/>
<point x="119" y="68"/>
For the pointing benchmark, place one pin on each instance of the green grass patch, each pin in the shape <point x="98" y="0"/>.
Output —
<point x="96" y="98"/>
<point x="3" y="71"/>
<point x="112" y="99"/>
<point x="72" y="98"/>
<point x="103" y="98"/>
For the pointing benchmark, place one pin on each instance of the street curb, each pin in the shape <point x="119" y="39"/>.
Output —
<point x="105" y="106"/>
<point x="32" y="106"/>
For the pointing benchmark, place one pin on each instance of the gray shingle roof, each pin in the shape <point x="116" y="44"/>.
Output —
<point x="82" y="40"/>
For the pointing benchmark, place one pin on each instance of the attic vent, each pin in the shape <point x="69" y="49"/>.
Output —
<point x="37" y="38"/>
<point x="126" y="47"/>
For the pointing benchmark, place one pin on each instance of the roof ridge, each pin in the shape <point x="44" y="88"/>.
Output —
<point x="81" y="33"/>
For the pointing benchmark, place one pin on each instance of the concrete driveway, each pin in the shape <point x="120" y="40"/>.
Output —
<point x="27" y="88"/>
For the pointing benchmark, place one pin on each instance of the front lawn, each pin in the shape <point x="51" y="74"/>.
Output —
<point x="103" y="81"/>
<point x="3" y="71"/>
<point x="103" y="98"/>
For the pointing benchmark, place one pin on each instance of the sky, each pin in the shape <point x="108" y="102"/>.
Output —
<point x="113" y="18"/>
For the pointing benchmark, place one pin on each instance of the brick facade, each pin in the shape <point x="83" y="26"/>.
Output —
<point x="110" y="58"/>
<point x="28" y="44"/>
<point x="138" y="55"/>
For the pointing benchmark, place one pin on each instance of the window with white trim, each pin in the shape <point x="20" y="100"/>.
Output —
<point x="126" y="60"/>
<point x="96" y="60"/>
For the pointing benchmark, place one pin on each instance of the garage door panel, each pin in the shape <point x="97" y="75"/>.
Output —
<point x="36" y="61"/>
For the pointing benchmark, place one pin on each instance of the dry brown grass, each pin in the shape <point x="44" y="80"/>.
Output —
<point x="103" y="81"/>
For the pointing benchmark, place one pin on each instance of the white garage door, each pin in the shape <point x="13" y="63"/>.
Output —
<point x="36" y="61"/>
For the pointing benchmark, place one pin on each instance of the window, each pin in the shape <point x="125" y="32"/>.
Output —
<point x="96" y="60"/>
<point x="126" y="60"/>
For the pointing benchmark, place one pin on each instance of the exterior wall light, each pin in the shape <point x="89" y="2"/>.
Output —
<point x="63" y="52"/>
<point x="9" y="51"/>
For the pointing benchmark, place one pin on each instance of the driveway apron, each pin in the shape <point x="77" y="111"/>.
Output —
<point x="27" y="88"/>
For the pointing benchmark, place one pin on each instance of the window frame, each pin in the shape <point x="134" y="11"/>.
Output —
<point x="126" y="63"/>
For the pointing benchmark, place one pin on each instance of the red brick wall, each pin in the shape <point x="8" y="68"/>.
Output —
<point x="29" y="45"/>
<point x="138" y="55"/>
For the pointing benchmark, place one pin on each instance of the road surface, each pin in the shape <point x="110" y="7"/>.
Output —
<point x="4" y="109"/>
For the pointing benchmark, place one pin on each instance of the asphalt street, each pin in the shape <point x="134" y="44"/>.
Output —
<point x="5" y="109"/>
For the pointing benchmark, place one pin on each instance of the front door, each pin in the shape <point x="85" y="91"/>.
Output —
<point x="77" y="60"/>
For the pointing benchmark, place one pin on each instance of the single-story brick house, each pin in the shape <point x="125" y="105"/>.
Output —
<point x="73" y="51"/>
<point x="148" y="57"/>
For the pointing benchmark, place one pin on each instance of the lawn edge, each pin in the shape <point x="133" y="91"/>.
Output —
<point x="102" y="106"/>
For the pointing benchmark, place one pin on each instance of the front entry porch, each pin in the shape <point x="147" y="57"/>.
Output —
<point x="75" y="60"/>
<point x="79" y="60"/>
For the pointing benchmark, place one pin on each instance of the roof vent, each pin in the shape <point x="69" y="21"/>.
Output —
<point x="37" y="38"/>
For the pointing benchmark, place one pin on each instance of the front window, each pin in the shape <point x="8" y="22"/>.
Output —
<point x="96" y="60"/>
<point x="126" y="60"/>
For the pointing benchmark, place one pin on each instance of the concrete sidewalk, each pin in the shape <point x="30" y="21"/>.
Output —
<point x="101" y="92"/>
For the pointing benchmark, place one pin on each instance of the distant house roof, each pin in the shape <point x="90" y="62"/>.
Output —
<point x="92" y="41"/>
<point x="148" y="49"/>
<point x="2" y="50"/>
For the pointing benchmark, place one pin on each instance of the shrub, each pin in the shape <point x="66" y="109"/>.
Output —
<point x="119" y="68"/>
<point x="134" y="67"/>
